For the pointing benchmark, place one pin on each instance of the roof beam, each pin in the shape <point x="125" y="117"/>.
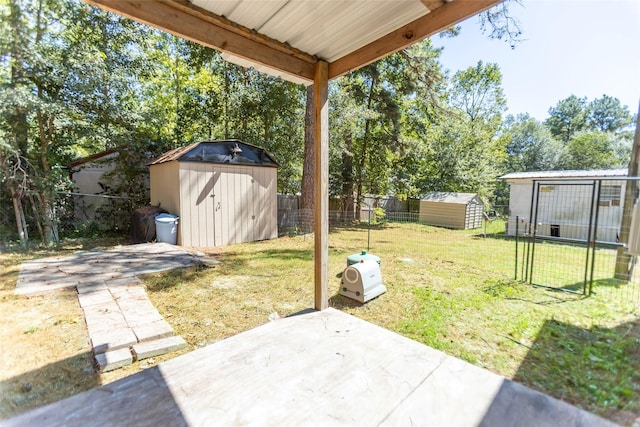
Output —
<point x="440" y="18"/>
<point x="432" y="4"/>
<point x="197" y="25"/>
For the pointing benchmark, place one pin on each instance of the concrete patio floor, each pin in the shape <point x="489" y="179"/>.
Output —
<point x="319" y="368"/>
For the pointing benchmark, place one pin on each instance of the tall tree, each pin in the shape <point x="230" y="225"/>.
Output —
<point x="477" y="92"/>
<point x="308" y="166"/>
<point x="530" y="145"/>
<point x="589" y="150"/>
<point x="607" y="114"/>
<point x="567" y="118"/>
<point x="70" y="90"/>
<point x="14" y="126"/>
<point x="466" y="151"/>
<point x="374" y="140"/>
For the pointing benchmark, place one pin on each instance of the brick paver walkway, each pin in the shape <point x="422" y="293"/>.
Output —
<point x="122" y="322"/>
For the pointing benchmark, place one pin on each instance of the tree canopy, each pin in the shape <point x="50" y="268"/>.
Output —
<point x="75" y="80"/>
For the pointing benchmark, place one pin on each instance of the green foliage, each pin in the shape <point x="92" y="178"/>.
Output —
<point x="567" y="118"/>
<point x="462" y="149"/>
<point x="378" y="216"/>
<point x="531" y="146"/>
<point x="370" y="122"/>
<point x="477" y="92"/>
<point x="591" y="150"/>
<point x="76" y="80"/>
<point x="577" y="135"/>
<point x="607" y="114"/>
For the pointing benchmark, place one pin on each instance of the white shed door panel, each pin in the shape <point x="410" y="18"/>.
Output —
<point x="199" y="208"/>
<point x="236" y="204"/>
<point x="266" y="206"/>
<point x="222" y="205"/>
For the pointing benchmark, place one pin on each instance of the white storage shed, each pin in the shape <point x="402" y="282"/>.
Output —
<point x="223" y="192"/>
<point x="567" y="204"/>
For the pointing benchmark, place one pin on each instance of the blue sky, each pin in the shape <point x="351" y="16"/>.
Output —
<point x="581" y="47"/>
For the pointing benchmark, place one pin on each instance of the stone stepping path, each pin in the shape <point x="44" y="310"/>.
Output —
<point x="122" y="322"/>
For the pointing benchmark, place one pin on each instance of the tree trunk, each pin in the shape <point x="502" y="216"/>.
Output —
<point x="46" y="131"/>
<point x="18" y="120"/>
<point x="347" y="176"/>
<point x="365" y="140"/>
<point x="623" y="259"/>
<point x="21" y="221"/>
<point x="306" y="201"/>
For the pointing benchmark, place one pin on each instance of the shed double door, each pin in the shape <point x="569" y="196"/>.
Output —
<point x="228" y="204"/>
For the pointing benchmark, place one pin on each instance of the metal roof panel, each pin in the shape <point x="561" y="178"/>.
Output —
<point x="595" y="173"/>
<point x="329" y="29"/>
<point x="449" y="197"/>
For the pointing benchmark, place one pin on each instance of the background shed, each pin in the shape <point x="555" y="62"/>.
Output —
<point x="453" y="210"/>
<point x="223" y="191"/>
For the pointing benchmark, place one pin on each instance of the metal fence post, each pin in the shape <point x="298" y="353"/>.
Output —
<point x="515" y="277"/>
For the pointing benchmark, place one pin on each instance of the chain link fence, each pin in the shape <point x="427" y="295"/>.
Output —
<point x="75" y="215"/>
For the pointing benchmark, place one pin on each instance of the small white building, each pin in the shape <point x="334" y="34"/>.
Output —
<point x="223" y="192"/>
<point x="452" y="210"/>
<point x="566" y="202"/>
<point x="87" y="175"/>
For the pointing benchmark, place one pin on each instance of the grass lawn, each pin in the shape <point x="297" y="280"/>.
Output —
<point x="452" y="290"/>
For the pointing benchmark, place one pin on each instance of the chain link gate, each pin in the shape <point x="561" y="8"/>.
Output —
<point x="575" y="242"/>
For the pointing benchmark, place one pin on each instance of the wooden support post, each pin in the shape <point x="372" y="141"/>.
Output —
<point x="321" y="184"/>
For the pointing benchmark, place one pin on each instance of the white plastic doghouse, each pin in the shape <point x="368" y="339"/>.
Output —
<point x="362" y="281"/>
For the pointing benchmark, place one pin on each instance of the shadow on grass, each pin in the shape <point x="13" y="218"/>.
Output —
<point x="163" y="281"/>
<point x="340" y="302"/>
<point x="497" y="236"/>
<point x="582" y="288"/>
<point x="598" y="367"/>
<point x="232" y="263"/>
<point x="298" y="254"/>
<point x="50" y="383"/>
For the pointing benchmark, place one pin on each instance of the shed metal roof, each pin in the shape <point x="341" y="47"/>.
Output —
<point x="595" y="173"/>
<point x="95" y="157"/>
<point x="228" y="152"/>
<point x="447" y="197"/>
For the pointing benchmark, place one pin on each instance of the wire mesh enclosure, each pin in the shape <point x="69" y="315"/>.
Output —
<point x="576" y="239"/>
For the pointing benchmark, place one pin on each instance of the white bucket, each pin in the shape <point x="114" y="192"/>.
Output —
<point x="167" y="228"/>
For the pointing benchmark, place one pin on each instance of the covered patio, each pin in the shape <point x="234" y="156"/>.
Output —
<point x="322" y="367"/>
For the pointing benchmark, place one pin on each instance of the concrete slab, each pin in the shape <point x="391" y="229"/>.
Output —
<point x="114" y="359"/>
<point x="114" y="339"/>
<point x="129" y="292"/>
<point x="101" y="320"/>
<point x="96" y="297"/>
<point x="158" y="347"/>
<point x="124" y="281"/>
<point x="316" y="369"/>
<point x="152" y="331"/>
<point x="92" y="286"/>
<point x="138" y="318"/>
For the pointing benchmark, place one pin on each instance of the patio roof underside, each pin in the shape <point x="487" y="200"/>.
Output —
<point x="287" y="37"/>
<point x="308" y="42"/>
